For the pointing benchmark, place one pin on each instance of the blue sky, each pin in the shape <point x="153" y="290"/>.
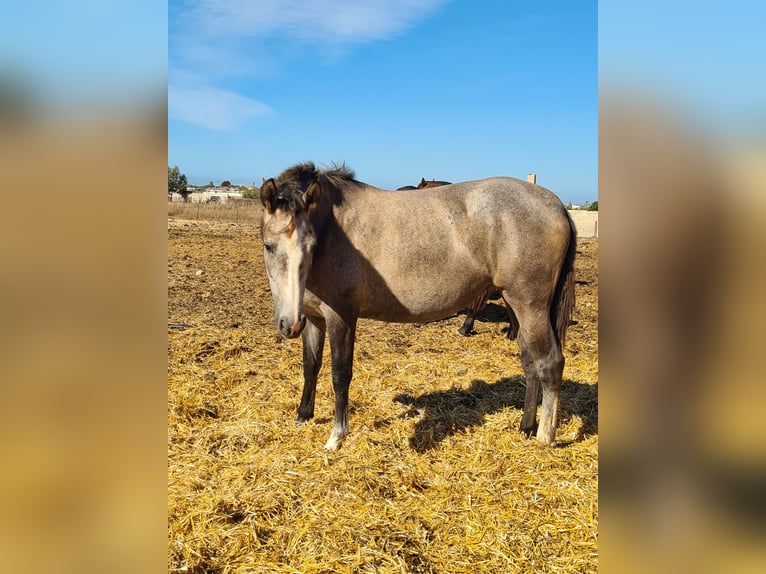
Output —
<point x="398" y="89"/>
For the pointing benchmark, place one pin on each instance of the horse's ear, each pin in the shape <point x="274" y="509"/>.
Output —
<point x="269" y="194"/>
<point x="312" y="195"/>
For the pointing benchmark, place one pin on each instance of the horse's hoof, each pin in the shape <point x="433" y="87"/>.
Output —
<point x="335" y="441"/>
<point x="546" y="438"/>
<point x="528" y="430"/>
<point x="333" y="444"/>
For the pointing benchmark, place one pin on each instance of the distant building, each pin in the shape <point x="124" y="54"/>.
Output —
<point x="215" y="195"/>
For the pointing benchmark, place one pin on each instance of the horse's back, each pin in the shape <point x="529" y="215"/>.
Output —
<point x="511" y="193"/>
<point x="486" y="203"/>
<point x="502" y="207"/>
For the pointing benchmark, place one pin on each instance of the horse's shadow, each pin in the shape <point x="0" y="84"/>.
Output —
<point x="445" y="413"/>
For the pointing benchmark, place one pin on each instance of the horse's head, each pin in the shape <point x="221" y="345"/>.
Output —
<point x="288" y="245"/>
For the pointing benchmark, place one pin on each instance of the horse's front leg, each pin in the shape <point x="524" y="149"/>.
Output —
<point x="342" y="333"/>
<point x="313" y="347"/>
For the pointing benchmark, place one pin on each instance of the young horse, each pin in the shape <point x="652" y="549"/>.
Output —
<point x="337" y="249"/>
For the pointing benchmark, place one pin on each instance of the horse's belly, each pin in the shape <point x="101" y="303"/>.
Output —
<point x="425" y="301"/>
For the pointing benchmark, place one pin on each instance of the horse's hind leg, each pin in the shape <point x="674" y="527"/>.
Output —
<point x="543" y="365"/>
<point x="313" y="346"/>
<point x="528" y="419"/>
<point x="473" y="310"/>
<point x="513" y="324"/>
<point x="467" y="327"/>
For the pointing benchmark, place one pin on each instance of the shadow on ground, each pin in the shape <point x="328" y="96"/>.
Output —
<point x="445" y="413"/>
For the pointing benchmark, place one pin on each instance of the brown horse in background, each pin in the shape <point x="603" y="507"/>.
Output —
<point x="433" y="183"/>
<point x="337" y="250"/>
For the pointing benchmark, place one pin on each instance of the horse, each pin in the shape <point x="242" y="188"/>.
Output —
<point x="405" y="187"/>
<point x="466" y="329"/>
<point x="337" y="250"/>
<point x="433" y="183"/>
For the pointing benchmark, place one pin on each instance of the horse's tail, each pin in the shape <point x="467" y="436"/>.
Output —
<point x="564" y="297"/>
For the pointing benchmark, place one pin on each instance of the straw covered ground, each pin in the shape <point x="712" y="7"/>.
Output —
<point x="435" y="476"/>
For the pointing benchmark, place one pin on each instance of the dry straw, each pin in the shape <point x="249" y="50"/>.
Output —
<point x="435" y="476"/>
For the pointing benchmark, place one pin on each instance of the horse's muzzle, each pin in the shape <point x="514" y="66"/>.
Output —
<point x="290" y="330"/>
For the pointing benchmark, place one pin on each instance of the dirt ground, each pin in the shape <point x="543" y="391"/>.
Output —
<point x="434" y="477"/>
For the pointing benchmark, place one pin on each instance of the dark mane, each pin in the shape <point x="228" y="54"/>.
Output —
<point x="300" y="176"/>
<point x="289" y="200"/>
<point x="338" y="173"/>
<point x="297" y="178"/>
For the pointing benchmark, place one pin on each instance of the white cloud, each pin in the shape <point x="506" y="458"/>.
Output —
<point x="217" y="39"/>
<point x="324" y="21"/>
<point x="213" y="108"/>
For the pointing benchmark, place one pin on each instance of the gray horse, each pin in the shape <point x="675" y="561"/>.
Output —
<point x="337" y="250"/>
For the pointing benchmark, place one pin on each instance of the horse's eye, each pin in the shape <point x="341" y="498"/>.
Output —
<point x="268" y="247"/>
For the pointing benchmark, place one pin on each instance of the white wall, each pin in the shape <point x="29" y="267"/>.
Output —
<point x="586" y="222"/>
